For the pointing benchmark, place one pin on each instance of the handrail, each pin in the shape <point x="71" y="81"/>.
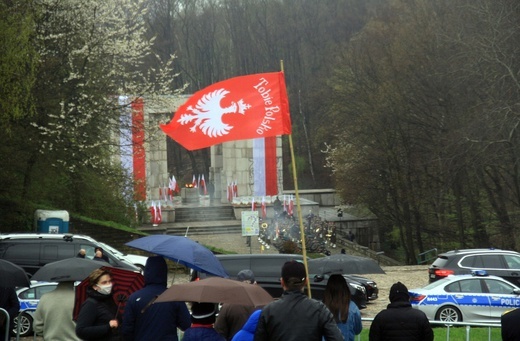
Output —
<point x="424" y="260"/>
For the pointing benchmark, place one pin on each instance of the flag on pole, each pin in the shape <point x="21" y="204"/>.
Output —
<point x="253" y="206"/>
<point x="290" y="209"/>
<point x="229" y="193"/>
<point x="264" y="208"/>
<point x="240" y="108"/>
<point x="235" y="189"/>
<point x="152" y="213"/>
<point x="194" y="181"/>
<point x="158" y="214"/>
<point x="203" y="185"/>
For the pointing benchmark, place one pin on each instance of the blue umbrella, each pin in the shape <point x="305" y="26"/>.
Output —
<point x="182" y="250"/>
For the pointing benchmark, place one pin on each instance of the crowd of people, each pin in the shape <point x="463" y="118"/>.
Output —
<point x="294" y="316"/>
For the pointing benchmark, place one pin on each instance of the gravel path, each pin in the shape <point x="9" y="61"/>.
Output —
<point x="412" y="276"/>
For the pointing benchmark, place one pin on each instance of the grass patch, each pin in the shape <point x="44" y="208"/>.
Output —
<point x="455" y="333"/>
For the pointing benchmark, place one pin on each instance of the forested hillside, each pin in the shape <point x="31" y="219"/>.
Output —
<point x="409" y="108"/>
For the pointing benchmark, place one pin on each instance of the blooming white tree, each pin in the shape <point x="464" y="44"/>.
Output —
<point x="91" y="52"/>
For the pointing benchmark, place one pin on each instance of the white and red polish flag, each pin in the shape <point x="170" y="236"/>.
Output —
<point x="253" y="205"/>
<point x="239" y="108"/>
<point x="290" y="209"/>
<point x="194" y="181"/>
<point x="229" y="192"/>
<point x="235" y="189"/>
<point x="202" y="183"/>
<point x="158" y="214"/>
<point x="153" y="212"/>
<point x="264" y="208"/>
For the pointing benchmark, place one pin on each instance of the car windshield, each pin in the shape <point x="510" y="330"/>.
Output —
<point x="110" y="248"/>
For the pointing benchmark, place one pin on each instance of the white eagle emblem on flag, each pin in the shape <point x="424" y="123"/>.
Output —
<point x="208" y="113"/>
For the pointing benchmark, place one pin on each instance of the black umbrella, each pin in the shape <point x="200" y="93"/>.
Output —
<point x="345" y="264"/>
<point x="11" y="275"/>
<point x="70" y="269"/>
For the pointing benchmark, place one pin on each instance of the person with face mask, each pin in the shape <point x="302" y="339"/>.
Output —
<point x="97" y="319"/>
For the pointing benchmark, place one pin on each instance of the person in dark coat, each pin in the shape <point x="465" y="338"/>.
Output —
<point x="202" y="320"/>
<point x="145" y="320"/>
<point x="510" y="325"/>
<point x="102" y="255"/>
<point x="232" y="317"/>
<point x="9" y="302"/>
<point x="296" y="317"/>
<point x="97" y="319"/>
<point x="399" y="321"/>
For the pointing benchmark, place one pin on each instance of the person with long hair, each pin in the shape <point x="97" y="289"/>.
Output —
<point x="346" y="313"/>
<point x="97" y="319"/>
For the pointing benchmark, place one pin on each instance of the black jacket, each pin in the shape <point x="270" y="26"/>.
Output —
<point x="295" y="317"/>
<point x="401" y="322"/>
<point x="9" y="302"/>
<point x="94" y="316"/>
<point x="510" y="325"/>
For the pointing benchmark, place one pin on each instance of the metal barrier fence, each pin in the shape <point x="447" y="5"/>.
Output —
<point x="449" y="325"/>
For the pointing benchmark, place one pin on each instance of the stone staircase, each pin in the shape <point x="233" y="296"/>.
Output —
<point x="198" y="221"/>
<point x="211" y="213"/>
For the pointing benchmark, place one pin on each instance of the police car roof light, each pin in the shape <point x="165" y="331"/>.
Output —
<point x="479" y="273"/>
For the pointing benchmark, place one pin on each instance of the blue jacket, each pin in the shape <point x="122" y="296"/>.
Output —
<point x="202" y="334"/>
<point x="159" y="321"/>
<point x="247" y="333"/>
<point x="353" y="326"/>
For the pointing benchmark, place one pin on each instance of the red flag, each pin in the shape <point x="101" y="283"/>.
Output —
<point x="240" y="108"/>
<point x="235" y="189"/>
<point x="264" y="209"/>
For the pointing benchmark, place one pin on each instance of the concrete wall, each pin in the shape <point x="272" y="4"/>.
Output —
<point x="324" y="197"/>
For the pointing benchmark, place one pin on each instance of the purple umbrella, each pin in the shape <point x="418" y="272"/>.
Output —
<point x="182" y="250"/>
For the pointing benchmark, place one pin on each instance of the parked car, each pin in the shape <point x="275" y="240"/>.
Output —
<point x="31" y="251"/>
<point x="502" y="263"/>
<point x="137" y="260"/>
<point x="478" y="298"/>
<point x="267" y="267"/>
<point x="370" y="285"/>
<point x="29" y="298"/>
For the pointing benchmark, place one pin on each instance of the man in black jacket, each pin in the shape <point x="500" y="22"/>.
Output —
<point x="295" y="317"/>
<point x="399" y="321"/>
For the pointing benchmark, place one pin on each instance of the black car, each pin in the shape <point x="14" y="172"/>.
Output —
<point x="267" y="267"/>
<point x="502" y="263"/>
<point x="370" y="286"/>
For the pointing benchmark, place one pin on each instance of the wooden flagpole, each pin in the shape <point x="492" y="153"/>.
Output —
<point x="299" y="210"/>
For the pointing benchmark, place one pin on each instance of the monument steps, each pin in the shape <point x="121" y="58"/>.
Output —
<point x="209" y="213"/>
<point x="198" y="220"/>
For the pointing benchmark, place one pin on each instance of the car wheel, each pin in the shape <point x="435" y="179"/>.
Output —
<point x="26" y="327"/>
<point x="449" y="314"/>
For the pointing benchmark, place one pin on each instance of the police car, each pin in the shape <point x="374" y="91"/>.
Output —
<point x="29" y="298"/>
<point x="477" y="298"/>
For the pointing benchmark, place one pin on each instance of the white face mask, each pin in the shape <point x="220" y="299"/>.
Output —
<point x="105" y="289"/>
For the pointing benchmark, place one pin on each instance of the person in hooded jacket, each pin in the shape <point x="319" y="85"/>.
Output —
<point x="399" y="321"/>
<point x="97" y="319"/>
<point x="247" y="333"/>
<point x="145" y="320"/>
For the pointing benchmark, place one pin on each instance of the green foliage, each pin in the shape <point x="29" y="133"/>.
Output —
<point x="18" y="60"/>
